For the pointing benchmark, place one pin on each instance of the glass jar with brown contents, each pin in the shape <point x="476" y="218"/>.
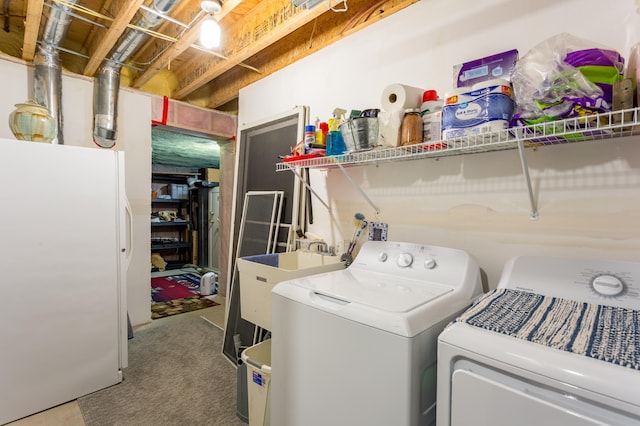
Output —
<point x="411" y="127"/>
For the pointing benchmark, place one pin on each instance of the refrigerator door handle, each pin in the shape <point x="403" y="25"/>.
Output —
<point x="129" y="230"/>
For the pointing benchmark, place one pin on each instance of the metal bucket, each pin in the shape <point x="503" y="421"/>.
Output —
<point x="360" y="133"/>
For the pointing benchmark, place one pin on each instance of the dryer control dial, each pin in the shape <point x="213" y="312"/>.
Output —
<point x="382" y="257"/>
<point x="405" y="260"/>
<point x="430" y="263"/>
<point x="607" y="285"/>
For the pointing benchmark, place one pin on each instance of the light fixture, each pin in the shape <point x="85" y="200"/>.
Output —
<point x="210" y="29"/>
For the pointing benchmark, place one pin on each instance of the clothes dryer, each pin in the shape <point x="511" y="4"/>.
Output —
<point x="557" y="343"/>
<point x="358" y="346"/>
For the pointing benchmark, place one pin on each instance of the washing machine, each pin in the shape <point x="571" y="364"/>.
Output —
<point x="557" y="343"/>
<point x="358" y="346"/>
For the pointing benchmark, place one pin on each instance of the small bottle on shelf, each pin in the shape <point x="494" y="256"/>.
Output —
<point x="321" y="133"/>
<point x="431" y="111"/>
<point x="335" y="142"/>
<point x="309" y="137"/>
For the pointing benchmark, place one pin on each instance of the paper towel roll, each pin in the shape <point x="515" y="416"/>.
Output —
<point x="398" y="97"/>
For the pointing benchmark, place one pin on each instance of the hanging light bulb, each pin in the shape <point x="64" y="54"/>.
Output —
<point x="210" y="33"/>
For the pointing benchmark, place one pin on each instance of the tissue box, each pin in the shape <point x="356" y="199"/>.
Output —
<point x="500" y="65"/>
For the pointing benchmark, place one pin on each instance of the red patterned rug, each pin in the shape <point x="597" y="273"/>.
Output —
<point x="176" y="294"/>
<point x="179" y="306"/>
<point x="164" y="289"/>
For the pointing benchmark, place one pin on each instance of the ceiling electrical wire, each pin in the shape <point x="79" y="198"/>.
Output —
<point x="107" y="18"/>
<point x="80" y="17"/>
<point x="156" y="34"/>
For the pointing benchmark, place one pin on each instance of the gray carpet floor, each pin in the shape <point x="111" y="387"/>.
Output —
<point x="177" y="375"/>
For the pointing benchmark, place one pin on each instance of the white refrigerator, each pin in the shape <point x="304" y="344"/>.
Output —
<point x="64" y="236"/>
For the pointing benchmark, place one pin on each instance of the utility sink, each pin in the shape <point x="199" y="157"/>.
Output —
<point x="260" y="273"/>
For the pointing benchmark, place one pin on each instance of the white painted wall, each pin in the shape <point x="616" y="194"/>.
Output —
<point x="587" y="193"/>
<point x="134" y="137"/>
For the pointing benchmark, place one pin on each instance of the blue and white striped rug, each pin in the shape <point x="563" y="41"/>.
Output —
<point x="606" y="333"/>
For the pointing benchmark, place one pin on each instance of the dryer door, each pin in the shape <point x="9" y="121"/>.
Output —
<point x="487" y="397"/>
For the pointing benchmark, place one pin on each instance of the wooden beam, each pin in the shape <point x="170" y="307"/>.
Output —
<point x="95" y="31"/>
<point x="31" y="28"/>
<point x="267" y="23"/>
<point x="183" y="43"/>
<point x="311" y="38"/>
<point x="114" y="32"/>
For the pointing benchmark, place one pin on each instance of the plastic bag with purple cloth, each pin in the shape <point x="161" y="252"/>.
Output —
<point x="564" y="77"/>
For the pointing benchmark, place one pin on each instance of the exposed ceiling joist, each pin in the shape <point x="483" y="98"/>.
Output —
<point x="260" y="37"/>
<point x="176" y="49"/>
<point x="266" y="24"/>
<point x="112" y="35"/>
<point x="31" y="28"/>
<point x="301" y="43"/>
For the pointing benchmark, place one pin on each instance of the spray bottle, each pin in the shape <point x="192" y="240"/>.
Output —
<point x="322" y="129"/>
<point x="335" y="142"/>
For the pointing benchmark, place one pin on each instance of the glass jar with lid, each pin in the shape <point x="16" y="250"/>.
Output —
<point x="411" y="127"/>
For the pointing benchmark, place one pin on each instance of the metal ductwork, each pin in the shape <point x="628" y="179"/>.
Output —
<point x="47" y="86"/>
<point x="107" y="86"/>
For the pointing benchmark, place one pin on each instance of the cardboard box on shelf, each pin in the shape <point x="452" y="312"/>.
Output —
<point x="212" y="175"/>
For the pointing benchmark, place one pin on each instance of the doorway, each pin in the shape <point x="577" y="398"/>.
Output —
<point x="182" y="165"/>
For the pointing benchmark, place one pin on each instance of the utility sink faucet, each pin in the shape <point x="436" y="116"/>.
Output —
<point x="322" y="246"/>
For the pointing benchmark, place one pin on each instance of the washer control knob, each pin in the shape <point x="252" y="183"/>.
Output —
<point x="382" y="257"/>
<point x="430" y="263"/>
<point x="404" y="260"/>
<point x="607" y="285"/>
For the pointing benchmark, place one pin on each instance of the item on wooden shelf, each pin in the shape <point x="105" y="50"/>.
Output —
<point x="158" y="262"/>
<point x="31" y="121"/>
<point x="167" y="215"/>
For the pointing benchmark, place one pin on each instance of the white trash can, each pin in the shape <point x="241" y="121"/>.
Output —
<point x="258" y="361"/>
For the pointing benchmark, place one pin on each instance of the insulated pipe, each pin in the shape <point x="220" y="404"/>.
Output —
<point x="107" y="85"/>
<point x="47" y="84"/>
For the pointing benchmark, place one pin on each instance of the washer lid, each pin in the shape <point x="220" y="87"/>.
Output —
<point x="374" y="290"/>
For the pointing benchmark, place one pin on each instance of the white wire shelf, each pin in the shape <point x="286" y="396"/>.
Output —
<point x="607" y="125"/>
